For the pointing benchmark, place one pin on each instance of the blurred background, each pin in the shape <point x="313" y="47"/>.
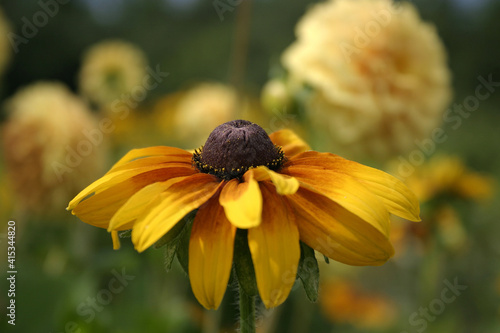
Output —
<point x="412" y="88"/>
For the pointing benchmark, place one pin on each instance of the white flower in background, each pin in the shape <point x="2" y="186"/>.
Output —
<point x="378" y="74"/>
<point x="202" y="108"/>
<point x="110" y="69"/>
<point x="52" y="146"/>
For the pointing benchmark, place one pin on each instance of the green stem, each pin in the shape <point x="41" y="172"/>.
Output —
<point x="247" y="312"/>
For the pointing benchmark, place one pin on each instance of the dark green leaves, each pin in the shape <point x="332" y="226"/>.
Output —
<point x="308" y="272"/>
<point x="176" y="242"/>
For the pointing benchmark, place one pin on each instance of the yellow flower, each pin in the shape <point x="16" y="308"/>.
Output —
<point x="202" y="108"/>
<point x="378" y="74"/>
<point x="447" y="174"/>
<point x="273" y="187"/>
<point x="48" y="153"/>
<point x="275" y="95"/>
<point x="342" y="301"/>
<point x="190" y="115"/>
<point x="111" y="69"/>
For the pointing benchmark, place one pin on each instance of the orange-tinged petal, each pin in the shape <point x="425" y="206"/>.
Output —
<point x="395" y="195"/>
<point x="140" y="203"/>
<point x="242" y="202"/>
<point x="289" y="141"/>
<point x="155" y="172"/>
<point x="165" y="161"/>
<point x="99" y="208"/>
<point x="210" y="253"/>
<point x="275" y="249"/>
<point x="176" y="201"/>
<point x="158" y="151"/>
<point x="346" y="191"/>
<point x="339" y="234"/>
<point x="285" y="185"/>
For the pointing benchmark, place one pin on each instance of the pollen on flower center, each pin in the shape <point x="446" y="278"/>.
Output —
<point x="236" y="146"/>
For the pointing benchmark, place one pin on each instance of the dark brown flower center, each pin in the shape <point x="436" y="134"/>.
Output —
<point x="236" y="146"/>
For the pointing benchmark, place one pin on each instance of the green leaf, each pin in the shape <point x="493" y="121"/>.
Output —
<point x="172" y="239"/>
<point x="308" y="272"/>
<point x="175" y="231"/>
<point x="170" y="250"/>
<point x="183" y="242"/>
<point x="243" y="264"/>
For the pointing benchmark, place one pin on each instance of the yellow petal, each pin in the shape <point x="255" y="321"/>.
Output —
<point x="339" y="234"/>
<point x="346" y="191"/>
<point x="275" y="249"/>
<point x="284" y="184"/>
<point x="116" y="240"/>
<point x="100" y="208"/>
<point x="289" y="141"/>
<point x="165" y="161"/>
<point x="210" y="253"/>
<point x="176" y="201"/>
<point x="162" y="152"/>
<point x="139" y="203"/>
<point x="112" y="193"/>
<point x="395" y="195"/>
<point x="147" y="175"/>
<point x="242" y="202"/>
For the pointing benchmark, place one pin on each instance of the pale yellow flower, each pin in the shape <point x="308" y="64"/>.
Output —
<point x="275" y="95"/>
<point x="448" y="175"/>
<point x="378" y="74"/>
<point x="191" y="115"/>
<point x="110" y="70"/>
<point x="203" y="108"/>
<point x="52" y="145"/>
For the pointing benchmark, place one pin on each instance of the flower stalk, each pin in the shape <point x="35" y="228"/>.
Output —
<point x="247" y="312"/>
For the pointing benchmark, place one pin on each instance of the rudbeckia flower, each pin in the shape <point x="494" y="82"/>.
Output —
<point x="274" y="187"/>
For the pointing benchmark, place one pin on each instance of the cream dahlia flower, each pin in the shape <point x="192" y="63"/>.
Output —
<point x="378" y="74"/>
<point x="203" y="108"/>
<point x="52" y="145"/>
<point x="111" y="69"/>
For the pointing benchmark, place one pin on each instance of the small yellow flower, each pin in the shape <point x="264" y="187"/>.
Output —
<point x="111" y="69"/>
<point x="447" y="174"/>
<point x="342" y="302"/>
<point x="189" y="115"/>
<point x="202" y="108"/>
<point x="274" y="187"/>
<point x="275" y="95"/>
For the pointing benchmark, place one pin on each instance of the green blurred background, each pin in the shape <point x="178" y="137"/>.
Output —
<point x="64" y="265"/>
